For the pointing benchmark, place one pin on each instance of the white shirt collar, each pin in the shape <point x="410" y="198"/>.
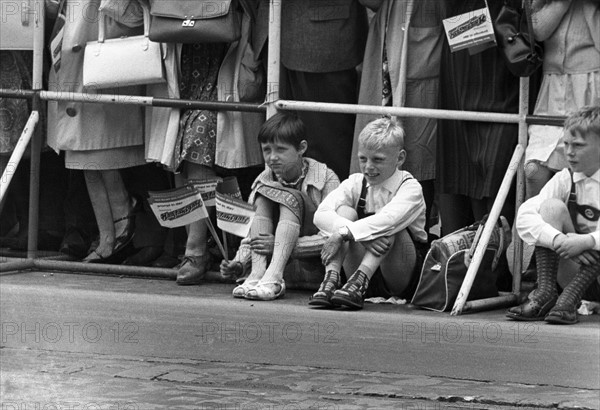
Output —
<point x="580" y="176"/>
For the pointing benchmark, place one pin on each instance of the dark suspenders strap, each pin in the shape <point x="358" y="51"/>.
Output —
<point x="362" y="200"/>
<point x="572" y="202"/>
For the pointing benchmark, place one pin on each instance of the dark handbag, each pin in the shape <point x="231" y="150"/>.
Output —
<point x="195" y="21"/>
<point x="514" y="30"/>
<point x="448" y="260"/>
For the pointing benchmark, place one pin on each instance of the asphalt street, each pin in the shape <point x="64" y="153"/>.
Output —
<point x="113" y="341"/>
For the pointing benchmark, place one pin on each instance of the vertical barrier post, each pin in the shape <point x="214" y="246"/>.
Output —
<point x="273" y="69"/>
<point x="520" y="194"/>
<point x="36" y="141"/>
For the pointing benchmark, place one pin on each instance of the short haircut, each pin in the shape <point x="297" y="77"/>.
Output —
<point x="382" y="133"/>
<point x="285" y="126"/>
<point x="584" y="121"/>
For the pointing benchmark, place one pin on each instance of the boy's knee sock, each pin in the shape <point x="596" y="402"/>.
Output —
<point x="260" y="224"/>
<point x="286" y="237"/>
<point x="547" y="269"/>
<point x="369" y="264"/>
<point x="573" y="292"/>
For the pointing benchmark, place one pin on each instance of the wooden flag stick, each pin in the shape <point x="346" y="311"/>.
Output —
<point x="216" y="237"/>
<point x="224" y="235"/>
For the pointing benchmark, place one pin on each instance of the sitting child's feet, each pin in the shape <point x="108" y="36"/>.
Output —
<point x="240" y="291"/>
<point x="330" y="284"/>
<point x="353" y="292"/>
<point x="267" y="290"/>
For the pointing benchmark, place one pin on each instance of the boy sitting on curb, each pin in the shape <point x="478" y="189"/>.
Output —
<point x="375" y="222"/>
<point x="562" y="223"/>
<point x="286" y="195"/>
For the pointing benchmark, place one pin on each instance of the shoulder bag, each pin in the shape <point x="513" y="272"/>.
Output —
<point x="514" y="30"/>
<point x="448" y="260"/>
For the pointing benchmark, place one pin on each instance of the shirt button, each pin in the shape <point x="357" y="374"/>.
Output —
<point x="76" y="48"/>
<point x="71" y="112"/>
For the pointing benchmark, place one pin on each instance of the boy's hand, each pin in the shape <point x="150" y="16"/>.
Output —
<point x="331" y="248"/>
<point x="231" y="269"/>
<point x="378" y="247"/>
<point x="587" y="258"/>
<point x="572" y="245"/>
<point x="263" y="244"/>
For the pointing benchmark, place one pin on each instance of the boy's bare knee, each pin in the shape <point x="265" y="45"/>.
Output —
<point x="554" y="210"/>
<point x="347" y="212"/>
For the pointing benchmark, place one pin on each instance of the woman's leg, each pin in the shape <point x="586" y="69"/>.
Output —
<point x="121" y="203"/>
<point x="536" y="176"/>
<point x="102" y="210"/>
<point x="192" y="269"/>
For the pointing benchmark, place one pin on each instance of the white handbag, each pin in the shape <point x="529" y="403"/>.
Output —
<point x="124" y="61"/>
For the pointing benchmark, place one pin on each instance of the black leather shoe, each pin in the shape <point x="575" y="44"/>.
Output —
<point x="563" y="315"/>
<point x="531" y="310"/>
<point x="144" y="256"/>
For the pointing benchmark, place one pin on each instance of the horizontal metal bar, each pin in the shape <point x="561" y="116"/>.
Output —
<point x="398" y="111"/>
<point x="545" y="120"/>
<point x="126" y="270"/>
<point x="284" y="104"/>
<point x="13" y="266"/>
<point x="490" y="303"/>
<point x="207" y="105"/>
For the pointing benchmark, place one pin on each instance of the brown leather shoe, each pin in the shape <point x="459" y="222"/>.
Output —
<point x="192" y="270"/>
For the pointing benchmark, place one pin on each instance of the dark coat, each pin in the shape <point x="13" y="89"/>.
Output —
<point x="317" y="36"/>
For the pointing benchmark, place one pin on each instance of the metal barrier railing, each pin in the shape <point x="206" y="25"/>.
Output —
<point x="273" y="103"/>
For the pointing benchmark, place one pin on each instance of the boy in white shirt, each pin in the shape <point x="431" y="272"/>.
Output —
<point x="375" y="224"/>
<point x="562" y="222"/>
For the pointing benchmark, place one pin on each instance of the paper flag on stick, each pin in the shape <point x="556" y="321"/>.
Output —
<point x="177" y="207"/>
<point x="207" y="188"/>
<point x="234" y="215"/>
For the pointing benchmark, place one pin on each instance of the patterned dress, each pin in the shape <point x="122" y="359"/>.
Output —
<point x="200" y="64"/>
<point x="14" y="74"/>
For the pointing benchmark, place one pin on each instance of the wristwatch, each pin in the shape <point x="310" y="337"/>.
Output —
<point x="344" y="233"/>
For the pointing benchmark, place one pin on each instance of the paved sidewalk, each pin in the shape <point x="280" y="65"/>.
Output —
<point x="59" y="380"/>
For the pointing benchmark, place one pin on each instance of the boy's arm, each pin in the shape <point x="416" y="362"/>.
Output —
<point x="530" y="225"/>
<point x="404" y="208"/>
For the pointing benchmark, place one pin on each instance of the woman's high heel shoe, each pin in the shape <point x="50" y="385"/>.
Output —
<point x="126" y="237"/>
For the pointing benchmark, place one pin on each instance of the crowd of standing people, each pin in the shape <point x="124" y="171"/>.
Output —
<point x="374" y="52"/>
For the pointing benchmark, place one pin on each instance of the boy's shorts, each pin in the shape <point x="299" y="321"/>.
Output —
<point x="378" y="288"/>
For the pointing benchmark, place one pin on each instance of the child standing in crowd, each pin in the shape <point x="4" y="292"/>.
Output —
<point x="570" y="31"/>
<point x="375" y="221"/>
<point x="562" y="223"/>
<point x="286" y="195"/>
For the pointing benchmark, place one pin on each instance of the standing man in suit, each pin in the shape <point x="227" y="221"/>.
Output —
<point x="322" y="42"/>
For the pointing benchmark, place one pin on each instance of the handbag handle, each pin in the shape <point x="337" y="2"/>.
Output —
<point x="102" y="23"/>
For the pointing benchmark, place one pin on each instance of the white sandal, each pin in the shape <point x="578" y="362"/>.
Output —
<point x="240" y="291"/>
<point x="263" y="292"/>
